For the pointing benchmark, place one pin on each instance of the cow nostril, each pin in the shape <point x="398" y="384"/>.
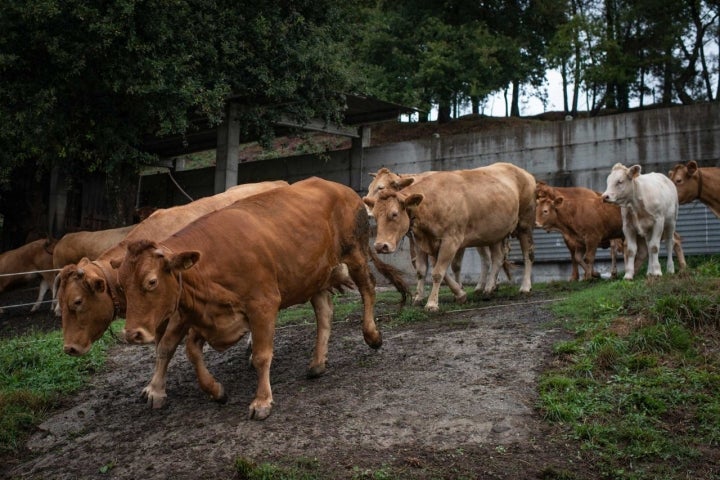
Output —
<point x="70" y="350"/>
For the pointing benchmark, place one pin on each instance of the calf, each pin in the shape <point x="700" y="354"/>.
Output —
<point x="31" y="257"/>
<point x="231" y="271"/>
<point x="695" y="183"/>
<point x="457" y="209"/>
<point x="649" y="207"/>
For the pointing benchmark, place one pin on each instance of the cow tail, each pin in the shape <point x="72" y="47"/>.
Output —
<point x="393" y="274"/>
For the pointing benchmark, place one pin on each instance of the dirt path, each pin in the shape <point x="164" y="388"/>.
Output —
<point x="444" y="398"/>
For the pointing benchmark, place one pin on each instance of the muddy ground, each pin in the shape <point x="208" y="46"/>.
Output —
<point x="452" y="397"/>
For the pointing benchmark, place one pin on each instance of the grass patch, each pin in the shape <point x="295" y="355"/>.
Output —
<point x="34" y="373"/>
<point x="637" y="386"/>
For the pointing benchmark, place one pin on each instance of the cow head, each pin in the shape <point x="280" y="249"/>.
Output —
<point x="150" y="276"/>
<point x="392" y="212"/>
<point x="546" y="211"/>
<point x="383" y="181"/>
<point x="687" y="180"/>
<point x="620" y="184"/>
<point x="86" y="307"/>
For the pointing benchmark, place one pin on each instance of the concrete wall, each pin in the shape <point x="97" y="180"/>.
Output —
<point x="578" y="152"/>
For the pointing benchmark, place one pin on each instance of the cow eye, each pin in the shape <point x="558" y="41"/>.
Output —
<point x="380" y="187"/>
<point x="393" y="215"/>
<point x="151" y="284"/>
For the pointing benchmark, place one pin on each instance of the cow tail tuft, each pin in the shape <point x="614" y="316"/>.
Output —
<point x="393" y="274"/>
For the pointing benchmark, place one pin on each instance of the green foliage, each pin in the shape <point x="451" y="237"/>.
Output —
<point x="34" y="371"/>
<point x="84" y="82"/>
<point x="302" y="470"/>
<point x="634" y="369"/>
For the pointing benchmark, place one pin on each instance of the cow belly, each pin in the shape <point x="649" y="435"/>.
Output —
<point x="225" y="330"/>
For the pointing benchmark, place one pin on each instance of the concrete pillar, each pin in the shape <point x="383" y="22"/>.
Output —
<point x="357" y="181"/>
<point x="226" y="155"/>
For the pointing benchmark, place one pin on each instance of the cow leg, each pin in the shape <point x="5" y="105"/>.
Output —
<point x="194" y="350"/>
<point x="653" y="242"/>
<point x="421" y="266"/>
<point x="154" y="394"/>
<point x="669" y="245"/>
<point x="323" y="306"/>
<point x="631" y="249"/>
<point x="613" y="258"/>
<point x="44" y="287"/>
<point x="495" y="260"/>
<point x="262" y="325"/>
<point x="445" y="255"/>
<point x="456" y="265"/>
<point x="527" y="248"/>
<point x="589" y="259"/>
<point x="485" y="264"/>
<point x="360" y="273"/>
<point x="677" y="248"/>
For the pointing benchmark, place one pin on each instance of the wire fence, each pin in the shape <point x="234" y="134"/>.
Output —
<point x="33" y="272"/>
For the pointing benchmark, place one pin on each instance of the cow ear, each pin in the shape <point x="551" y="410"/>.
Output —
<point x="184" y="260"/>
<point x="373" y="174"/>
<point x="369" y="202"/>
<point x="402" y="183"/>
<point x="634" y="171"/>
<point x="116" y="262"/>
<point x="413" y="200"/>
<point x="558" y="201"/>
<point x="692" y="167"/>
<point x="98" y="285"/>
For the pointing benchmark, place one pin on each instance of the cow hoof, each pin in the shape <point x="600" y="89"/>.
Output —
<point x="432" y="308"/>
<point x="462" y="298"/>
<point x="155" y="401"/>
<point x="373" y="341"/>
<point x="417" y="301"/>
<point x="258" y="412"/>
<point x="316" y="371"/>
<point x="627" y="277"/>
<point x="223" y="398"/>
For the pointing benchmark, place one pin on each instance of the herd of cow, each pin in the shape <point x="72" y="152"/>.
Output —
<point x="223" y="266"/>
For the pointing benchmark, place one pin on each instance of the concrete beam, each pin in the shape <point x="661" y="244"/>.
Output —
<point x="226" y="155"/>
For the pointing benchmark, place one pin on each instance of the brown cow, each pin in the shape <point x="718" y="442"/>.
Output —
<point x="88" y="295"/>
<point x="464" y="208"/>
<point x="385" y="180"/>
<point x="231" y="271"/>
<point x="583" y="219"/>
<point x="695" y="183"/>
<point x="31" y="257"/>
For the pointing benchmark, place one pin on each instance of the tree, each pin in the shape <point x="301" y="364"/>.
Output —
<point x="83" y="82"/>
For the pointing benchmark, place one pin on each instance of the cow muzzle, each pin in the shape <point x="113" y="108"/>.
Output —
<point x="384" y="247"/>
<point x="75" y="350"/>
<point x="139" y="336"/>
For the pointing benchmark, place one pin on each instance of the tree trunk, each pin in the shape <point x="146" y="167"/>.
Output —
<point x="444" y="112"/>
<point x="515" y="107"/>
<point x="563" y="74"/>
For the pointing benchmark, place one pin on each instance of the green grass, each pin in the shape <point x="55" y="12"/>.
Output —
<point x="34" y="373"/>
<point x="638" y="384"/>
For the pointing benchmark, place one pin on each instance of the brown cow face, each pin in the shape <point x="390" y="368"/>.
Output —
<point x="392" y="213"/>
<point x="86" y="306"/>
<point x="546" y="212"/>
<point x="151" y="279"/>
<point x="686" y="180"/>
<point x="385" y="181"/>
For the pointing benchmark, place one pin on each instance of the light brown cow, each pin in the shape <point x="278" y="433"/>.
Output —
<point x="583" y="219"/>
<point x="31" y="257"/>
<point x="464" y="208"/>
<point x="586" y="223"/>
<point x="384" y="180"/>
<point x="72" y="247"/>
<point x="88" y="295"/>
<point x="231" y="271"/>
<point x="695" y="183"/>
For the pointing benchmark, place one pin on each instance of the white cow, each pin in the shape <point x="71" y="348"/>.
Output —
<point x="649" y="206"/>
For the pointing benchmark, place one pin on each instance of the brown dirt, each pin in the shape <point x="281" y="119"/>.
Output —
<point x="452" y="397"/>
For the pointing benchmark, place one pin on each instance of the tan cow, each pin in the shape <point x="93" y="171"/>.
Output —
<point x="384" y="180"/>
<point x="31" y="257"/>
<point x="230" y="272"/>
<point x="457" y="209"/>
<point x="695" y="183"/>
<point x="88" y="295"/>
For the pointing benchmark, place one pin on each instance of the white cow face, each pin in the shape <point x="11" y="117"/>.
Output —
<point x="620" y="185"/>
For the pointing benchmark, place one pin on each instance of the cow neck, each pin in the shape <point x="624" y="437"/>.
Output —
<point x="180" y="280"/>
<point x="700" y="183"/>
<point x="111" y="288"/>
